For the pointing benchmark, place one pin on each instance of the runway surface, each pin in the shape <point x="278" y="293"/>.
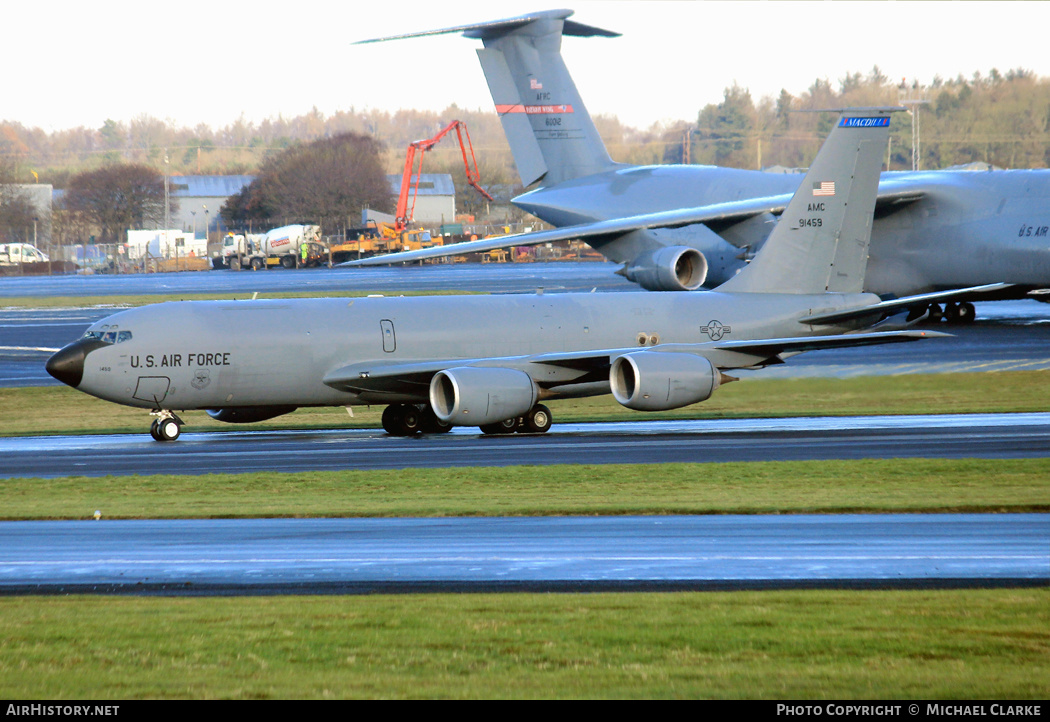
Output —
<point x="350" y="556"/>
<point x="956" y="436"/>
<point x="480" y="277"/>
<point x="271" y="556"/>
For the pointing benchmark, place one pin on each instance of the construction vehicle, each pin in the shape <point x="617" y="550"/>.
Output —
<point x="378" y="238"/>
<point x="281" y="246"/>
<point x="405" y="214"/>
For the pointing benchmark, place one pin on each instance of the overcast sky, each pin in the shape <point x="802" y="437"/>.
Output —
<point x="79" y="63"/>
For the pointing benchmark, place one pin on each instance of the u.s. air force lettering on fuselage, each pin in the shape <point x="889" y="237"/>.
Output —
<point x="1028" y="231"/>
<point x="177" y="360"/>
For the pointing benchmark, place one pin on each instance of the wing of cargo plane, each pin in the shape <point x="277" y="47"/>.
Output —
<point x="718" y="214"/>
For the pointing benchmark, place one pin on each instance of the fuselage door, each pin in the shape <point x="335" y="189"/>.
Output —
<point x="389" y="341"/>
<point x="152" y="388"/>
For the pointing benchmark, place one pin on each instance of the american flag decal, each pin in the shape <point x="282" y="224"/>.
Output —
<point x="824" y="188"/>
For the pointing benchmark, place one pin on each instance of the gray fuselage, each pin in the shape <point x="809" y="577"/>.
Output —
<point x="222" y="354"/>
<point x="966" y="229"/>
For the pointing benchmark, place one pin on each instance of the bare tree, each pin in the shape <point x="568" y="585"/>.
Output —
<point x="325" y="182"/>
<point x="17" y="211"/>
<point x="116" y="198"/>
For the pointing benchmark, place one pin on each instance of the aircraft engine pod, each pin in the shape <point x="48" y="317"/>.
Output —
<point x="472" y="396"/>
<point x="249" y="414"/>
<point x="658" y="381"/>
<point x="672" y="268"/>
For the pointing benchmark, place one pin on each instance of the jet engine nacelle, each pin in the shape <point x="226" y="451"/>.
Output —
<point x="672" y="268"/>
<point x="657" y="381"/>
<point x="472" y="396"/>
<point x="249" y="414"/>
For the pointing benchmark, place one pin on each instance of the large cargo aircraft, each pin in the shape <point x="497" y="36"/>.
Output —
<point x="681" y="227"/>
<point x="490" y="361"/>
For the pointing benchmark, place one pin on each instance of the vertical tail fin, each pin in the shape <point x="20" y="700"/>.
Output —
<point x="551" y="135"/>
<point x="821" y="241"/>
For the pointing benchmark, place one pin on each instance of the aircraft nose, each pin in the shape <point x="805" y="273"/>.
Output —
<point x="68" y="364"/>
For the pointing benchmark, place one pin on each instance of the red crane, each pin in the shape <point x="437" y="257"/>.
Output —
<point x="404" y="215"/>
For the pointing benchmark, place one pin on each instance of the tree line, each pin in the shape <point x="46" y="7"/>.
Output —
<point x="112" y="176"/>
<point x="999" y="118"/>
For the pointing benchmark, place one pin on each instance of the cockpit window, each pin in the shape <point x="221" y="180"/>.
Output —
<point x="108" y="335"/>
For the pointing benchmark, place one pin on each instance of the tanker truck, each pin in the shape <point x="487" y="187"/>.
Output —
<point x="280" y="246"/>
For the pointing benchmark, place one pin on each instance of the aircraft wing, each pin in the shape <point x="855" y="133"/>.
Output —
<point x="413" y="378"/>
<point x="898" y="304"/>
<point x="716" y="214"/>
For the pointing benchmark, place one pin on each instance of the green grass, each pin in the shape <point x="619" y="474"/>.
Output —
<point x="977" y="644"/>
<point x="870" y="486"/>
<point x="960" y="644"/>
<point x="62" y="410"/>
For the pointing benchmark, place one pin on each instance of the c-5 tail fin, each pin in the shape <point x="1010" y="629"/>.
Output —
<point x="821" y="240"/>
<point x="551" y="135"/>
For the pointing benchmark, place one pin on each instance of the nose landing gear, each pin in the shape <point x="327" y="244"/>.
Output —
<point x="166" y="427"/>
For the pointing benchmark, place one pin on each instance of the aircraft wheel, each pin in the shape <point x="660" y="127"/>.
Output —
<point x="168" y="429"/>
<point x="392" y="419"/>
<point x="411" y="420"/>
<point x="935" y="312"/>
<point x="951" y="312"/>
<point x="509" y="426"/>
<point x="401" y="420"/>
<point x="967" y="313"/>
<point x="538" y="420"/>
<point x="431" y="424"/>
<point x="153" y="431"/>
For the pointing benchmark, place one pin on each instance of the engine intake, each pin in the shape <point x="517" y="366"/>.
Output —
<point x="658" y="380"/>
<point x="672" y="268"/>
<point x="472" y="396"/>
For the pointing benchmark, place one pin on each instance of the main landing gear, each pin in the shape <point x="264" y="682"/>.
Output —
<point x="410" y="419"/>
<point x="955" y="313"/>
<point x="166" y="427"/>
<point x="537" y="421"/>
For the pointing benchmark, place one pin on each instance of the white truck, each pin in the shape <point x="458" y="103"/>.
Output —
<point x="12" y="254"/>
<point x="280" y="246"/>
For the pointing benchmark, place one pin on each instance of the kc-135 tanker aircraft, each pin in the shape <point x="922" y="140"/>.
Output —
<point x="680" y="227"/>
<point x="489" y="361"/>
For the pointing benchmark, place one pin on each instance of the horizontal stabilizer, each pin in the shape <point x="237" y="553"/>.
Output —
<point x="897" y="304"/>
<point x="495" y="28"/>
<point x="777" y="346"/>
